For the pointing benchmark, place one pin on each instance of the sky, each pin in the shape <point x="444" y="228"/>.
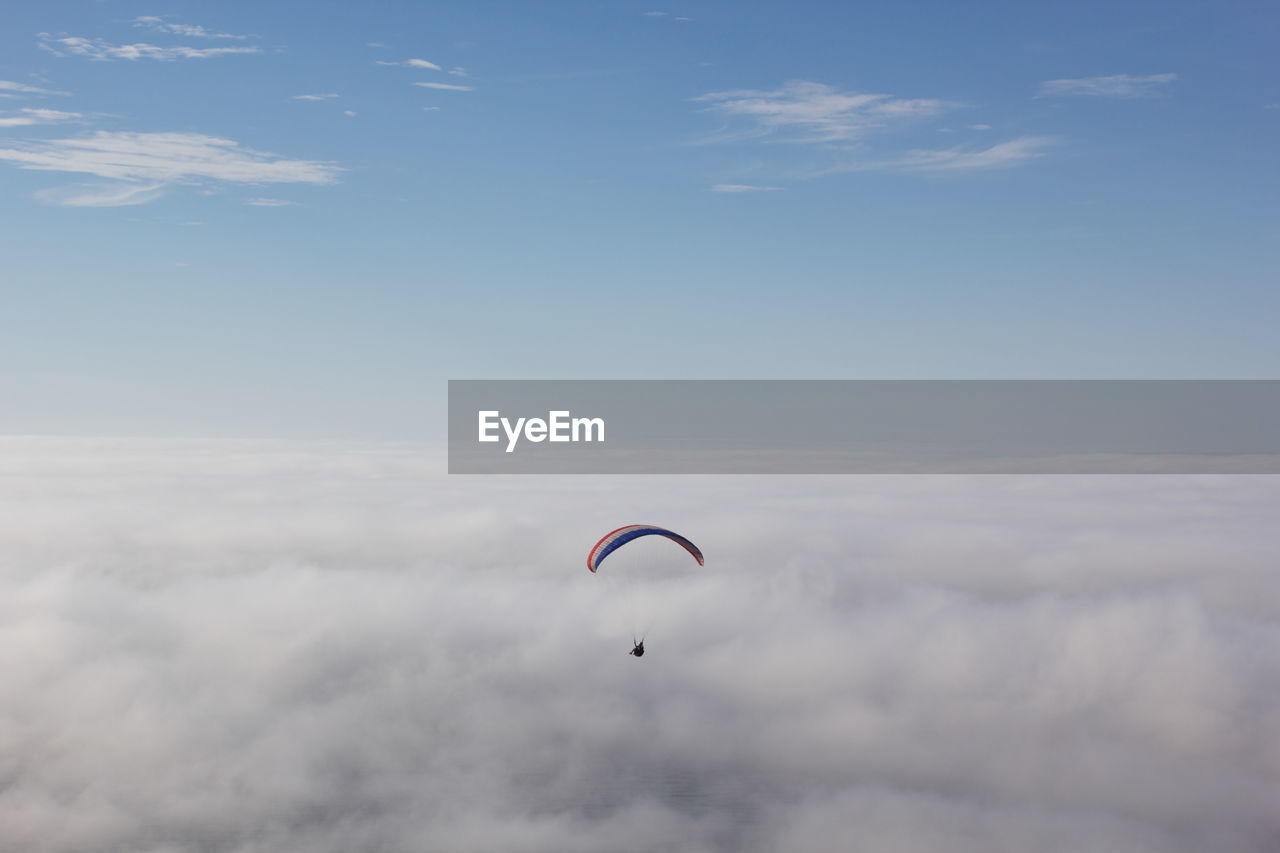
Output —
<point x="252" y="646"/>
<point x="299" y="220"/>
<point x="243" y="246"/>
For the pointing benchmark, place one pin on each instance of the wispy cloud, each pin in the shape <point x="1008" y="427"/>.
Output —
<point x="323" y="97"/>
<point x="270" y="202"/>
<point x="1115" y="86"/>
<point x="10" y="89"/>
<point x="159" y="159"/>
<point x="102" y="195"/>
<point x="451" y="87"/>
<point x="28" y="116"/>
<point x="741" y="188"/>
<point x="803" y="111"/>
<point x="102" y="51"/>
<point x="410" y="63"/>
<point x="1004" y="155"/>
<point x="160" y="25"/>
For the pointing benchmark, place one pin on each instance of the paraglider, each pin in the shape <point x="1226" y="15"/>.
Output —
<point x="615" y="539"/>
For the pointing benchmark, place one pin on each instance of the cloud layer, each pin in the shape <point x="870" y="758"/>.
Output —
<point x="322" y="647"/>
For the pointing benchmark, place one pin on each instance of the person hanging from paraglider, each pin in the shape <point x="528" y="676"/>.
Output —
<point x="615" y="539"/>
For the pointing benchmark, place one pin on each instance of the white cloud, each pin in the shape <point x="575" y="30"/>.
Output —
<point x="330" y="647"/>
<point x="160" y="25"/>
<point x="451" y="87"/>
<point x="102" y="195"/>
<point x="1115" y="86"/>
<point x="323" y="97"/>
<point x="458" y="72"/>
<point x="28" y="116"/>
<point x="741" y="188"/>
<point x="164" y="158"/>
<point x="979" y="127"/>
<point x="654" y="14"/>
<point x="269" y="202"/>
<point x="803" y="111"/>
<point x="100" y="50"/>
<point x="349" y="112"/>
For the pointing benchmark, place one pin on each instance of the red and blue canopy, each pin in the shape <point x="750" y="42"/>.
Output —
<point x="615" y="539"/>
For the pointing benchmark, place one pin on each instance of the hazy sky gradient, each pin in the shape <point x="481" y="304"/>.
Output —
<point x="300" y="219"/>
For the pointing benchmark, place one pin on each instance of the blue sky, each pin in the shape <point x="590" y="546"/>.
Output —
<point x="301" y="219"/>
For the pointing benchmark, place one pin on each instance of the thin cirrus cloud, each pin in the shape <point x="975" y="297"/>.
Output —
<point x="30" y="116"/>
<point x="11" y="89"/>
<point x="1003" y="155"/>
<point x="100" y="50"/>
<point x="411" y="63"/>
<point x="807" y="112"/>
<point x="326" y="96"/>
<point x="160" y="25"/>
<point x="448" y="87"/>
<point x="159" y="160"/>
<point x="742" y="188"/>
<point x="102" y="195"/>
<point x="1114" y="86"/>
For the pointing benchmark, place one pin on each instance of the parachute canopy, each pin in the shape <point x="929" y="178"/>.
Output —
<point x="614" y="540"/>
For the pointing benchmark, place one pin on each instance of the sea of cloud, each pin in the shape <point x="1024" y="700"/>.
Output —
<point x="274" y="646"/>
